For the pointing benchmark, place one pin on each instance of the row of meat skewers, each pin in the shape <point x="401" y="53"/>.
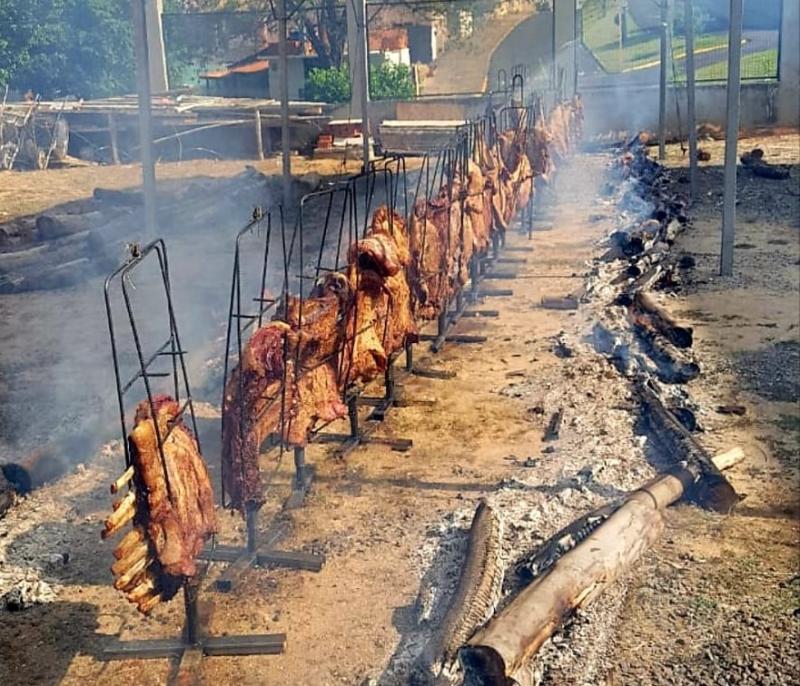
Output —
<point x="297" y="370"/>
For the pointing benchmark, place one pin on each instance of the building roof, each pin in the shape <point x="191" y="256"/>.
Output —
<point x="253" y="67"/>
<point x="384" y="40"/>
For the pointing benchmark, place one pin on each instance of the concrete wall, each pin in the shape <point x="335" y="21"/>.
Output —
<point x="636" y="107"/>
<point x="788" y="105"/>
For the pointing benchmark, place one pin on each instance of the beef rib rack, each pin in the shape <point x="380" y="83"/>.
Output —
<point x="170" y="504"/>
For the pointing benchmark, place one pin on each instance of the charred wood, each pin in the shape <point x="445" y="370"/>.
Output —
<point x="647" y="313"/>
<point x="709" y="489"/>
<point x="473" y="602"/>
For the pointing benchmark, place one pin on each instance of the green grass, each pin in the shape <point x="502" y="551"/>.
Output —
<point x="642" y="48"/>
<point x="755" y="65"/>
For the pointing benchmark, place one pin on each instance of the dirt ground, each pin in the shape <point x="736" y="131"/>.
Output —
<point x="728" y="588"/>
<point x="716" y="601"/>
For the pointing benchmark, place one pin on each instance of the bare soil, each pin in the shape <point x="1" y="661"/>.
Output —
<point x="714" y="602"/>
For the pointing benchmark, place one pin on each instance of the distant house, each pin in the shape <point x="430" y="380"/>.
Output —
<point x="389" y="45"/>
<point x="257" y="75"/>
<point x="423" y="45"/>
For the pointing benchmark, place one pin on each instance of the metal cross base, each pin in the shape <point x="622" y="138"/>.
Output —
<point x="254" y="555"/>
<point x="303" y="477"/>
<point x="359" y="436"/>
<point x="193" y="645"/>
<point x="447" y="320"/>
<point x="425" y="372"/>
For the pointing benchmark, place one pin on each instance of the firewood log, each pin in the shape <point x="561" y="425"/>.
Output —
<point x="649" y="314"/>
<point x="51" y="226"/>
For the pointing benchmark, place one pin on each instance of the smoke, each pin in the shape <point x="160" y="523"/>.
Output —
<point x="57" y="389"/>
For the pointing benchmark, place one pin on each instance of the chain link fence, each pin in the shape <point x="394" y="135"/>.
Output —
<point x="624" y="38"/>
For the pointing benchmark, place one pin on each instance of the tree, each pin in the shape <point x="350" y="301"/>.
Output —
<point x="55" y="48"/>
<point x="387" y="81"/>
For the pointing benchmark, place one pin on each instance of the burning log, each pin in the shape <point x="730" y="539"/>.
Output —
<point x="499" y="650"/>
<point x="673" y="365"/>
<point x="708" y="488"/>
<point x="7" y="494"/>
<point x="647" y="313"/>
<point x="495" y="654"/>
<point x="473" y="602"/>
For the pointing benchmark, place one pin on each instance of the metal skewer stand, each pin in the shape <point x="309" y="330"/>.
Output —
<point x="351" y="206"/>
<point x="265" y="228"/>
<point x="194" y="643"/>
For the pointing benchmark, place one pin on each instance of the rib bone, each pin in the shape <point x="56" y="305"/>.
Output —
<point x="124" y="582"/>
<point x="135" y="554"/>
<point x="123" y="513"/>
<point x="128" y="542"/>
<point x="140" y="592"/>
<point x="119" y="484"/>
<point x="146" y="605"/>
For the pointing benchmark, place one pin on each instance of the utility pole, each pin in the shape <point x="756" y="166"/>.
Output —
<point x="358" y="56"/>
<point x="145" y="117"/>
<point x="283" y="57"/>
<point x="666" y="53"/>
<point x="553" y="46"/>
<point x="688" y="20"/>
<point x="159" y="83"/>
<point x="620" y="15"/>
<point x="731" y="138"/>
<point x="575" y="37"/>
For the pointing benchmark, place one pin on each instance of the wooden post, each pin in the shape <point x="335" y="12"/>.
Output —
<point x="662" y="80"/>
<point x="259" y="140"/>
<point x="691" y="113"/>
<point x="283" y="57"/>
<point x="145" y="117"/>
<point x="731" y="139"/>
<point x="359" y="79"/>
<point x="112" y="136"/>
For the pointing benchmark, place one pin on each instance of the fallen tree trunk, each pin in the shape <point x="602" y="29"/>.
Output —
<point x="497" y="653"/>
<point x="47" y="277"/>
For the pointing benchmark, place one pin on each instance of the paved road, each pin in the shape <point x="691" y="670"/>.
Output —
<point x="463" y="67"/>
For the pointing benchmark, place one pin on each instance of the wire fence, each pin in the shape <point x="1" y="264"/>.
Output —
<point x="624" y="38"/>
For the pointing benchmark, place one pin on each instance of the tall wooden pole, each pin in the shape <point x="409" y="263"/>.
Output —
<point x="359" y="69"/>
<point x="688" y="13"/>
<point x="145" y="117"/>
<point x="731" y="139"/>
<point x="575" y="39"/>
<point x="283" y="56"/>
<point x="666" y="50"/>
<point x="553" y="47"/>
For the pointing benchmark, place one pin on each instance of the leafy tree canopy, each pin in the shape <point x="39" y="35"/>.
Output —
<point x="387" y="81"/>
<point x="56" y="48"/>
